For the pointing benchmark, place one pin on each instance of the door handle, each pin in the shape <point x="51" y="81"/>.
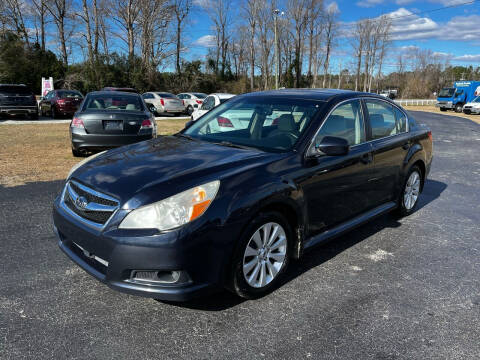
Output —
<point x="366" y="158"/>
<point x="406" y="146"/>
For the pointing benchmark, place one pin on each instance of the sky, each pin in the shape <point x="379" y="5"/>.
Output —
<point x="452" y="32"/>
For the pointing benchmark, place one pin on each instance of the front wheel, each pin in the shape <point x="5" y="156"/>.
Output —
<point x="262" y="256"/>
<point x="443" y="109"/>
<point x="459" y="108"/>
<point x="411" y="191"/>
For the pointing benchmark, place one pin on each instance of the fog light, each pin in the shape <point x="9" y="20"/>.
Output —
<point x="155" y="277"/>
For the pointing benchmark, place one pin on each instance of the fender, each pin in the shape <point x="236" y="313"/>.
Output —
<point x="414" y="152"/>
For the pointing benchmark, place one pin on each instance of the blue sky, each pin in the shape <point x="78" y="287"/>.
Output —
<point x="452" y="32"/>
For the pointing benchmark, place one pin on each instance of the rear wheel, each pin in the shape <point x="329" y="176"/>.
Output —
<point x="77" y="153"/>
<point x="459" y="108"/>
<point x="33" y="116"/>
<point x="189" y="109"/>
<point x="261" y="257"/>
<point x="411" y="191"/>
<point x="53" y="113"/>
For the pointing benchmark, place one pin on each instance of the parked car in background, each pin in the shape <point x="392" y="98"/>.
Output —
<point x="209" y="103"/>
<point x="472" y="107"/>
<point x="190" y="100"/>
<point x="17" y="99"/>
<point x="123" y="89"/>
<point x="164" y="102"/>
<point x="58" y="103"/>
<point x="109" y="119"/>
<point x="185" y="215"/>
<point x="460" y="94"/>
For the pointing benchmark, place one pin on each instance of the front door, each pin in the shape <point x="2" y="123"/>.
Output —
<point x="337" y="188"/>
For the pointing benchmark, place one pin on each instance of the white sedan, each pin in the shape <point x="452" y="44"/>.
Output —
<point x="164" y="102"/>
<point x="190" y="100"/>
<point x="472" y="107"/>
<point x="209" y="103"/>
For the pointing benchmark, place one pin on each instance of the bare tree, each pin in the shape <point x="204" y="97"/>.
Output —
<point x="298" y="12"/>
<point x="314" y="30"/>
<point x="61" y="12"/>
<point x="250" y="8"/>
<point x="180" y="8"/>
<point x="331" y="32"/>
<point x="14" y="14"/>
<point x="40" y="19"/>
<point x="125" y="13"/>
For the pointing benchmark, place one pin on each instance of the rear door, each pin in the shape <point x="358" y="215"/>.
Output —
<point x="390" y="142"/>
<point x="337" y="188"/>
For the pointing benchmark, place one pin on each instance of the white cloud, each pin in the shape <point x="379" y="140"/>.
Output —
<point x="404" y="2"/>
<point x="369" y="3"/>
<point x="333" y="7"/>
<point x="468" y="58"/>
<point x="205" y="41"/>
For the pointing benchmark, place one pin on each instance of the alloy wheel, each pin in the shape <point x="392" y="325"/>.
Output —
<point x="265" y="255"/>
<point x="412" y="189"/>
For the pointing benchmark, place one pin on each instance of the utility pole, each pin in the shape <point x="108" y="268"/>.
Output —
<point x="276" y="12"/>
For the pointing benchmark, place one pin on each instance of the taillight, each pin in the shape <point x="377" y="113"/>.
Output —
<point x="61" y="101"/>
<point x="162" y="102"/>
<point x="224" y="122"/>
<point x="199" y="101"/>
<point x="183" y="102"/>
<point x="77" y="123"/>
<point x="146" y="124"/>
<point x="430" y="136"/>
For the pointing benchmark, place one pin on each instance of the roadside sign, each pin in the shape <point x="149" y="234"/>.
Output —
<point x="47" y="85"/>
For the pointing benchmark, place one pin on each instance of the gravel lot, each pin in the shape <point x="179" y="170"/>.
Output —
<point x="393" y="289"/>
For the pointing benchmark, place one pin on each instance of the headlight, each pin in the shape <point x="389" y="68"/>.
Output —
<point x="174" y="211"/>
<point x="84" y="161"/>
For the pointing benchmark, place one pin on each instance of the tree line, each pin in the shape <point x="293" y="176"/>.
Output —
<point x="145" y="44"/>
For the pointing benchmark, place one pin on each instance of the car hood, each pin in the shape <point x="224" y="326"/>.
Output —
<point x="474" y="104"/>
<point x="158" y="168"/>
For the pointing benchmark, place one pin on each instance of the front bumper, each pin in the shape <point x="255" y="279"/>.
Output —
<point x="82" y="140"/>
<point x="445" y="105"/>
<point x="114" y="253"/>
<point x="471" y="110"/>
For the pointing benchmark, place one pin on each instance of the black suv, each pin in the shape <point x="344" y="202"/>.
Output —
<point x="17" y="100"/>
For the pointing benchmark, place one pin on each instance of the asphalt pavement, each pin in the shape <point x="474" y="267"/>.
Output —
<point x="392" y="289"/>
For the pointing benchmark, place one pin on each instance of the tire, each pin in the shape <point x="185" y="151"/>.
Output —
<point x="410" y="187"/>
<point x="53" y="113"/>
<point x="458" y="108"/>
<point x="189" y="109"/>
<point x="257" y="269"/>
<point x="77" y="153"/>
<point x="33" y="116"/>
<point x="443" y="109"/>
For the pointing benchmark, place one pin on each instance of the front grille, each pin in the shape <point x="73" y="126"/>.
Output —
<point x="95" y="207"/>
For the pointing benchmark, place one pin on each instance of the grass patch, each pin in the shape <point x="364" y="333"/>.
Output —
<point x="42" y="152"/>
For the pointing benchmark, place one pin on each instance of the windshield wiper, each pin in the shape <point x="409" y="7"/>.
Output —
<point x="229" y="144"/>
<point x="185" y="136"/>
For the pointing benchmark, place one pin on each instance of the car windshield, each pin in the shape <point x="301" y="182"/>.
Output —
<point x="270" y="124"/>
<point x="15" y="90"/>
<point x="64" y="94"/>
<point x="166" y="95"/>
<point x="447" y="92"/>
<point x="113" y="102"/>
<point x="200" y="95"/>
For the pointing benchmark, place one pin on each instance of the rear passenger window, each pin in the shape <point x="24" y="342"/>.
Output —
<point x="382" y="119"/>
<point x="346" y="122"/>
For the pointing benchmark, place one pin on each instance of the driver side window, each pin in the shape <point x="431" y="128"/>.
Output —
<point x="345" y="122"/>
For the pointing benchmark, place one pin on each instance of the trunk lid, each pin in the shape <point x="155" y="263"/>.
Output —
<point x="113" y="122"/>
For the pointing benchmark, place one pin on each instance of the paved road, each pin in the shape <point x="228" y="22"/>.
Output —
<point x="407" y="289"/>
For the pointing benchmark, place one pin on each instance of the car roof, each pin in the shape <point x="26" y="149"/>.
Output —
<point x="312" y="94"/>
<point x="13" y="85"/>
<point x="110" y="92"/>
<point x="222" y="95"/>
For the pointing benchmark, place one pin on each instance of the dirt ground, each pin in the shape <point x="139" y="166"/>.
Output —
<point x="433" y="109"/>
<point x="34" y="152"/>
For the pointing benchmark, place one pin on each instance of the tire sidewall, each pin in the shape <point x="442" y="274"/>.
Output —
<point x="238" y="284"/>
<point x="403" y="210"/>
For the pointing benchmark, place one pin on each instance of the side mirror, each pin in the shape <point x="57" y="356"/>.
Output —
<point x="152" y="109"/>
<point x="333" y="146"/>
<point x="188" y="124"/>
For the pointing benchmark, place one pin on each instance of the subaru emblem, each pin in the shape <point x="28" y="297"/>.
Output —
<point x="81" y="202"/>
